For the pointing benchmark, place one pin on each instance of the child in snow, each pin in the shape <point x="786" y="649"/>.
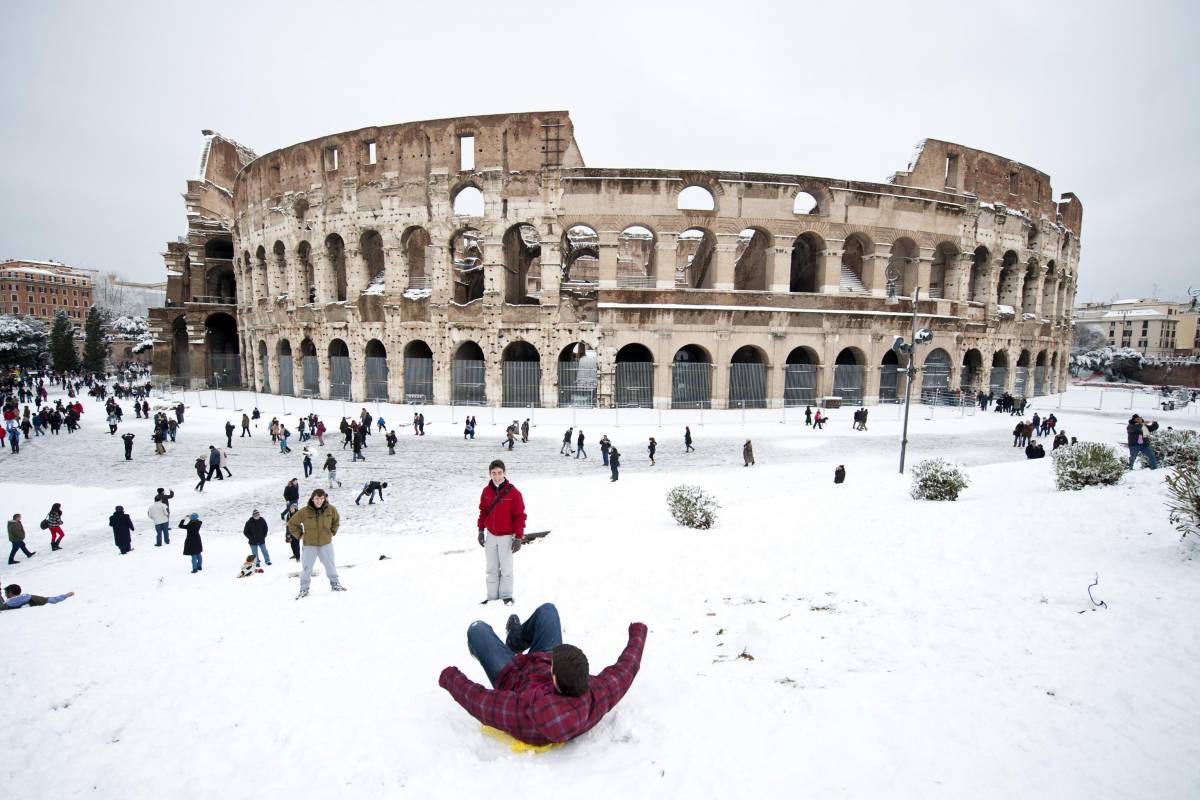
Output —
<point x="15" y="598"/>
<point x="248" y="568"/>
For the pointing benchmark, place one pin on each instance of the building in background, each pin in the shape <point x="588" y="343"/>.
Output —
<point x="128" y="298"/>
<point x="43" y="288"/>
<point x="1155" y="328"/>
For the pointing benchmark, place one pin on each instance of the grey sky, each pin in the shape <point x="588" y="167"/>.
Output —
<point x="103" y="102"/>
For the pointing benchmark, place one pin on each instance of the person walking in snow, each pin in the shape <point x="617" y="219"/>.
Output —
<point x="1137" y="434"/>
<point x="199" y="465"/>
<point x="291" y="496"/>
<point x="214" y="464"/>
<point x="819" y="421"/>
<point x="160" y="515"/>
<point x="179" y="414"/>
<point x="127" y="439"/>
<point x="192" y="544"/>
<point x="747" y="454"/>
<point x="111" y="419"/>
<point x="839" y="474"/>
<point x="808" y="417"/>
<point x="331" y="465"/>
<point x="501" y="527"/>
<point x="121" y="526"/>
<point x="307" y="462"/>
<point x="245" y="427"/>
<point x="369" y="489"/>
<point x="223" y="463"/>
<point x="651" y="449"/>
<point x="545" y="696"/>
<point x="53" y="523"/>
<point x="292" y="542"/>
<point x="525" y="432"/>
<point x="605" y="445"/>
<point x="390" y="439"/>
<point x="16" y="535"/>
<point x="614" y="463"/>
<point x="315" y="525"/>
<point x="255" y="531"/>
<point x="687" y="440"/>
<point x="566" y="443"/>
<point x="579" y="451"/>
<point x="229" y="429"/>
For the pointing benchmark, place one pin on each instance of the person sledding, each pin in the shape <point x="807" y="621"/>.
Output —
<point x="546" y="695"/>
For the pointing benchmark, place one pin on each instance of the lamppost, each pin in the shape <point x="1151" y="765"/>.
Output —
<point x="922" y="336"/>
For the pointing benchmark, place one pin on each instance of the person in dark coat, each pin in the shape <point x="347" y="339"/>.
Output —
<point x="229" y="429"/>
<point x="1035" y="450"/>
<point x="614" y="462"/>
<point x="747" y="454"/>
<point x="192" y="545"/>
<point x="256" y="534"/>
<point x="121" y="526"/>
<point x="390" y="439"/>
<point x="605" y="446"/>
<point x="369" y="489"/>
<point x="808" y="416"/>
<point x="651" y="449"/>
<point x="127" y="438"/>
<point x="291" y="496"/>
<point x="179" y="414"/>
<point x="200" y="474"/>
<point x="687" y="440"/>
<point x="214" y="464"/>
<point x="16" y="535"/>
<point x="292" y="541"/>
<point x="839" y="474"/>
<point x="579" y="445"/>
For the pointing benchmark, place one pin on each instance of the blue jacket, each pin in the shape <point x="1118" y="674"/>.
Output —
<point x="29" y="599"/>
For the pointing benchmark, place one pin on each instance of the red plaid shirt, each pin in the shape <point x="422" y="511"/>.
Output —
<point x="525" y="705"/>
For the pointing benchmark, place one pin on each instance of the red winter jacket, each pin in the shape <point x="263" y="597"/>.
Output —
<point x="508" y="517"/>
<point x="525" y="705"/>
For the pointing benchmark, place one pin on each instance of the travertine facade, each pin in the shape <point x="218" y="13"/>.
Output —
<point x="571" y="284"/>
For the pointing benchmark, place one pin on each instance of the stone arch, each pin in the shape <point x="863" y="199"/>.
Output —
<point x="223" y="345"/>
<point x="696" y="196"/>
<point x="218" y="248"/>
<point x="904" y="260"/>
<point x="634" y="377"/>
<point x="805" y="203"/>
<point x="801" y="376"/>
<point x="691" y="377"/>
<point x="278" y="281"/>
<point x="748" y="377"/>
<point x="520" y="375"/>
<point x="750" y="260"/>
<point x="371" y="247"/>
<point x="311" y="366"/>
<point x="418" y="372"/>
<point x="889" y="377"/>
<point x="977" y="278"/>
<point x="335" y="257"/>
<point x="578" y="376"/>
<point x="221" y="283"/>
<point x="807" y="250"/>
<point x="935" y="375"/>
<point x="466" y="254"/>
<point x="180" y="343"/>
<point x="942" y="271"/>
<point x="971" y="376"/>
<point x="341" y="371"/>
<point x="1009" y="280"/>
<point x="375" y="367"/>
<point x="264" y="363"/>
<point x="262" y="289"/>
<point x="581" y="255"/>
<point x="1049" y="290"/>
<point x="522" y="264"/>
<point x="415" y="242"/>
<point x="468" y="201"/>
<point x="849" y="374"/>
<point x="468" y="374"/>
<point x="636" y="265"/>
<point x="1021" y="375"/>
<point x="286" y="367"/>
<point x="855" y="251"/>
<point x="1032" y="287"/>
<point x="306" y="274"/>
<point x="693" y="258"/>
<point x="811" y="199"/>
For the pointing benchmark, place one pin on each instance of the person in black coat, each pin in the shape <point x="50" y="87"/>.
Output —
<point x="291" y="497"/>
<point x="256" y="534"/>
<point x="229" y="433"/>
<point x="369" y="489"/>
<point x="121" y="526"/>
<point x="192" y="545"/>
<point x="839" y="474"/>
<point x="200" y="474"/>
<point x="614" y="462"/>
<point x="127" y="438"/>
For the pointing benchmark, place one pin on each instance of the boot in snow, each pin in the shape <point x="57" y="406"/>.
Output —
<point x="337" y="587"/>
<point x="303" y="593"/>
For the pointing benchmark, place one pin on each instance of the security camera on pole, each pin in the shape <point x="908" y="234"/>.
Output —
<point x="922" y="336"/>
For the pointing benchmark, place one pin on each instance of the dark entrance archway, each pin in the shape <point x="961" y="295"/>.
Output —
<point x="418" y="372"/>
<point x="221" y="343"/>
<point x="635" y="377"/>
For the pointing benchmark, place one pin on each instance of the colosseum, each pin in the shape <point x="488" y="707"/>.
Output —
<point x="477" y="260"/>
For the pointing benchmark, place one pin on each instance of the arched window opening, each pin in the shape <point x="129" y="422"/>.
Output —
<point x="262" y="289"/>
<point x="696" y="198"/>
<point x="903" y="267"/>
<point x="279" y="271"/>
<point x="520" y="376"/>
<point x="849" y="373"/>
<point x="805" y="204"/>
<point x="635" y="258"/>
<point x="335" y="254"/>
<point x="522" y="265"/>
<point x="691" y="378"/>
<point x="180" y="363"/>
<point x="889" y="377"/>
<point x="805" y="272"/>
<point x="748" y="378"/>
<point x="264" y="365"/>
<point x="468" y="375"/>
<point x="581" y="258"/>
<point x="376" y="369"/>
<point x="971" y="376"/>
<point x="693" y="259"/>
<point x="418" y="372"/>
<point x="307" y="273"/>
<point x="283" y="357"/>
<point x="341" y="374"/>
<point x="223" y="346"/>
<point x="372" y="254"/>
<point x="311" y="368"/>
<point x="578" y="376"/>
<point x="1032" y="289"/>
<point x="750" y="260"/>
<point x="998" y="378"/>
<point x="635" y="377"/>
<point x="414" y="243"/>
<point x="854" y="255"/>
<point x="977" y="280"/>
<point x="941" y="271"/>
<point x="468" y="202"/>
<point x="1009" y="283"/>
<point x="1049" y="291"/>
<point x="801" y="372"/>
<point x="935" y="377"/>
<point x="467" y="255"/>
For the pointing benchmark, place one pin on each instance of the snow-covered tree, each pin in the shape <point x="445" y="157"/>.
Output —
<point x="62" y="344"/>
<point x="95" y="349"/>
<point x="129" y="326"/>
<point x="1114" y="362"/>
<point x="24" y="341"/>
<point x="1087" y="337"/>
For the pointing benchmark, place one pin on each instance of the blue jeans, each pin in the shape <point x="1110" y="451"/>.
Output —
<point x="604" y="455"/>
<point x="542" y="630"/>
<point x="197" y="562"/>
<point x="162" y="532"/>
<point x="579" y="452"/>
<point x="1137" y="449"/>
<point x="254" y="548"/>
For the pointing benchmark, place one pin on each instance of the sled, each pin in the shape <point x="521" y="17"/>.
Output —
<point x="534" y="536"/>
<point x="516" y="745"/>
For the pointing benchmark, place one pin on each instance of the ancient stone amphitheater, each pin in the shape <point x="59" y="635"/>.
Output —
<point x="477" y="260"/>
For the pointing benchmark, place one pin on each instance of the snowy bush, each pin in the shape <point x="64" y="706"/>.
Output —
<point x="692" y="506"/>
<point x="131" y="327"/>
<point x="1183" y="490"/>
<point x="937" y="479"/>
<point x="1086" y="464"/>
<point x="1176" y="448"/>
<point x="24" y="341"/>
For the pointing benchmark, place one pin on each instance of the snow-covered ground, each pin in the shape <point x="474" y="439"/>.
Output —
<point x="822" y="640"/>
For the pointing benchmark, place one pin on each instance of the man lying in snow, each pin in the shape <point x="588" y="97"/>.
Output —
<point x="546" y="695"/>
<point x="13" y="598"/>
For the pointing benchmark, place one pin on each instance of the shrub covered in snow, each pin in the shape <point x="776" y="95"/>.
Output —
<point x="693" y="507"/>
<point x="131" y="327"/>
<point x="1086" y="464"/>
<point x="938" y="479"/>
<point x="24" y="341"/>
<point x="1112" y="361"/>
<point x="1183" y="490"/>
<point x="1176" y="448"/>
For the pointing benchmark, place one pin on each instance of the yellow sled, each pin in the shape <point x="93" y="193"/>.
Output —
<point x="516" y="745"/>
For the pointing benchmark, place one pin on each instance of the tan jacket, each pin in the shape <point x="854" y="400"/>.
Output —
<point x="319" y="526"/>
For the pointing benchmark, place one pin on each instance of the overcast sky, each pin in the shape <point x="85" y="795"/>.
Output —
<point x="103" y="103"/>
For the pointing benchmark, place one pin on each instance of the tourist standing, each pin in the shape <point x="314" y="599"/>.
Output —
<point x="192" y="544"/>
<point x="255" y="531"/>
<point x="121" y="526"/>
<point x="160" y="514"/>
<point x="315" y="525"/>
<point x="501" y="526"/>
<point x="331" y="466"/>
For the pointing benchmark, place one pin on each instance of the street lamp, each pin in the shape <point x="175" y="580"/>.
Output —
<point x="922" y="336"/>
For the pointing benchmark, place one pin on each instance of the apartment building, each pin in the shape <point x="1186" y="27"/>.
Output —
<point x="42" y="288"/>
<point x="1155" y="328"/>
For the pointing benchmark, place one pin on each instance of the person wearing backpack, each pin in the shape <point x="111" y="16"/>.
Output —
<point x="501" y="527"/>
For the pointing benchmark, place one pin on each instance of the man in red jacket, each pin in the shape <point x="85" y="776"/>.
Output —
<point x="502" y="516"/>
<point x="546" y="695"/>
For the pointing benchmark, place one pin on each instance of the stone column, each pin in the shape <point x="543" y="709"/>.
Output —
<point x="720" y="366"/>
<point x="323" y="276"/>
<point x="874" y="275"/>
<point x="551" y="259"/>
<point x="962" y="277"/>
<point x="440" y="271"/>
<point x="829" y="264"/>
<point x="495" y="276"/>
<point x="664" y="352"/>
<point x="723" y="263"/>
<point x="666" y="245"/>
<point x="356" y="271"/>
<point x="779" y="269"/>
<point x="323" y="368"/>
<point x="608" y="259"/>
<point x="442" y="392"/>
<point x="924" y="267"/>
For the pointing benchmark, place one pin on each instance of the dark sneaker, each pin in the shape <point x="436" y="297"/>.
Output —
<point x="508" y="601"/>
<point x="303" y="593"/>
<point x="513" y="639"/>
<point x="337" y="587"/>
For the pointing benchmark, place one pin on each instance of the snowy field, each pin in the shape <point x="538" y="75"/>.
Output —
<point x="822" y="641"/>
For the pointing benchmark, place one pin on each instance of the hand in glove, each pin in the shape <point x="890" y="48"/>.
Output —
<point x="516" y="545"/>
<point x="481" y="538"/>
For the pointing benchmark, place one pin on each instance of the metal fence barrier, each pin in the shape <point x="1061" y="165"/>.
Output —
<point x="286" y="375"/>
<point x="266" y="373"/>
<point x="312" y="375"/>
<point x="521" y="383"/>
<point x="848" y="383"/>
<point x="418" y="379"/>
<point x="1020" y="378"/>
<point x="935" y="383"/>
<point x="341" y="376"/>
<point x="1039" y="381"/>
<point x="747" y="386"/>
<point x="998" y="380"/>
<point x="691" y="384"/>
<point x="467" y="383"/>
<point x="577" y="382"/>
<point x="635" y="384"/>
<point x="889" y="383"/>
<point x="800" y="384"/>
<point x="224" y="370"/>
<point x="377" y="378"/>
